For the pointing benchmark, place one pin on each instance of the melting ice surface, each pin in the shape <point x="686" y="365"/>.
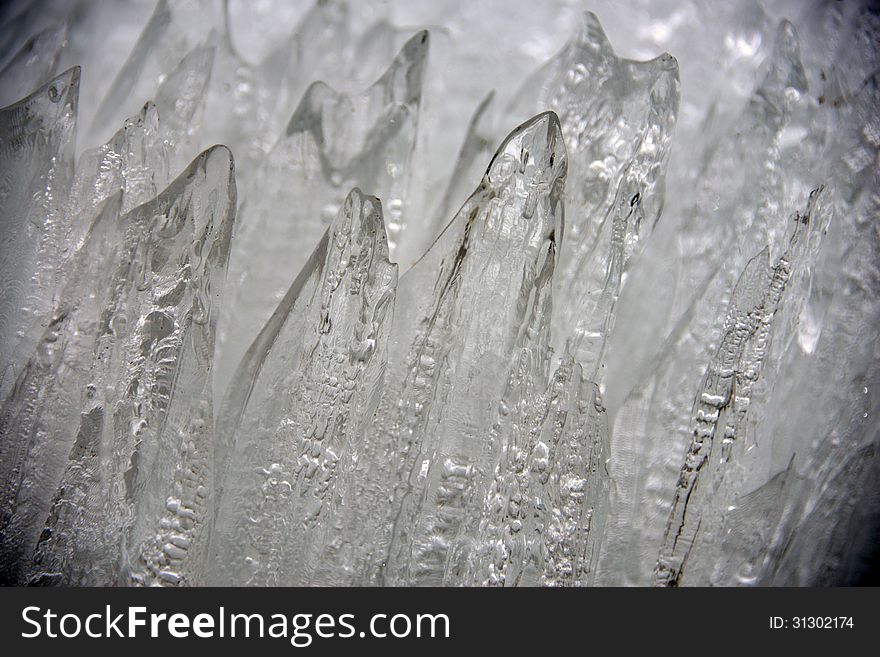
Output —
<point x="459" y="301"/>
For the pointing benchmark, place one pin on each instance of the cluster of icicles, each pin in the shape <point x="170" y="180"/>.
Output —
<point x="284" y="371"/>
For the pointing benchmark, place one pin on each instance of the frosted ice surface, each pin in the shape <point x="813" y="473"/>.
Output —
<point x="41" y="415"/>
<point x="332" y="143"/>
<point x="44" y="403"/>
<point x="171" y="463"/>
<point x="292" y="472"/>
<point x="133" y="161"/>
<point x="540" y="521"/>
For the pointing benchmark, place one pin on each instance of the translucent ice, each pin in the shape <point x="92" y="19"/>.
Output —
<point x="297" y="411"/>
<point x="332" y="143"/>
<point x="540" y="519"/>
<point x="36" y="161"/>
<point x="723" y="401"/>
<point x="649" y="426"/>
<point x="451" y="352"/>
<point x="617" y="118"/>
<point x="634" y="341"/>
<point x="127" y="431"/>
<point x="174" y="29"/>
<point x="34" y="63"/>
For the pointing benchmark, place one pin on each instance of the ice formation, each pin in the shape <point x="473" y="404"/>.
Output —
<point x="292" y="435"/>
<point x="467" y="296"/>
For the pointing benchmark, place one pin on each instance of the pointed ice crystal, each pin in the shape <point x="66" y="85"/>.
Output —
<point x="723" y="402"/>
<point x="133" y="408"/>
<point x="741" y="204"/>
<point x="333" y="143"/>
<point x="534" y="517"/>
<point x="133" y="162"/>
<point x="179" y="99"/>
<point x="738" y="195"/>
<point x="766" y="365"/>
<point x="304" y="57"/>
<point x="247" y="105"/>
<point x="617" y="118"/>
<point x="831" y="373"/>
<point x="452" y="350"/>
<point x="34" y="64"/>
<point x="308" y="385"/>
<point x="36" y="162"/>
<point x="174" y="29"/>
